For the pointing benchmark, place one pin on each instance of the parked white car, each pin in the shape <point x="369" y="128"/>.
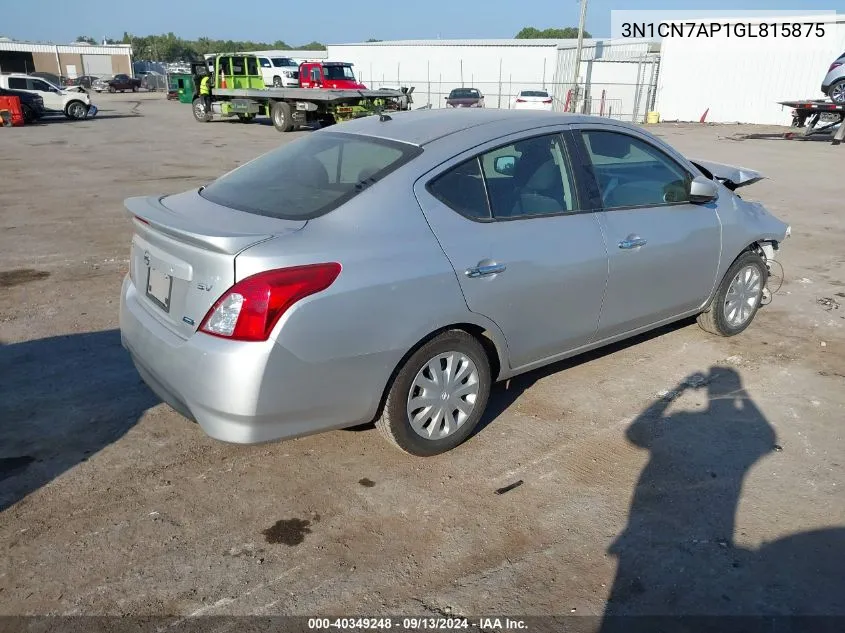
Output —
<point x="532" y="100"/>
<point x="279" y="71"/>
<point x="73" y="102"/>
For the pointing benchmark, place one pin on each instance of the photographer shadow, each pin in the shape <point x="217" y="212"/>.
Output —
<point x="677" y="557"/>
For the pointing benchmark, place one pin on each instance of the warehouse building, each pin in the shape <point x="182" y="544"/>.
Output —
<point x="623" y="71"/>
<point x="70" y="61"/>
<point x="741" y="79"/>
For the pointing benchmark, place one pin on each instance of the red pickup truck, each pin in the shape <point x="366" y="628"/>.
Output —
<point x="123" y="83"/>
<point x="328" y="75"/>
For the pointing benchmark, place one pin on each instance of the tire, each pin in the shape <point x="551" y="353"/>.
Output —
<point x="280" y="114"/>
<point x="836" y="92"/>
<point x="277" y="82"/>
<point x="76" y="110"/>
<point x="112" y="89"/>
<point x="743" y="271"/>
<point x="198" y="108"/>
<point x="28" y="115"/>
<point x="395" y="421"/>
<point x="134" y="88"/>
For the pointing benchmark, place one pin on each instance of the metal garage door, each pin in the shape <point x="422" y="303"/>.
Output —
<point x="97" y="65"/>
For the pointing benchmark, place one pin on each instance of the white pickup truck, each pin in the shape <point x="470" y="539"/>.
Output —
<point x="73" y="102"/>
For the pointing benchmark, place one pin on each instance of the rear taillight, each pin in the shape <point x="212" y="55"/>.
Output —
<point x="547" y="100"/>
<point x="250" y="309"/>
<point x="834" y="65"/>
<point x="520" y="100"/>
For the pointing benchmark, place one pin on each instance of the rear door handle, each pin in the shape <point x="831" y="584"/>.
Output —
<point x="632" y="241"/>
<point x="485" y="271"/>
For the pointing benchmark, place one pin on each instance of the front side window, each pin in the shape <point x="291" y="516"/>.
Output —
<point x="41" y="86"/>
<point x="310" y="176"/>
<point x="315" y="75"/>
<point x="633" y="173"/>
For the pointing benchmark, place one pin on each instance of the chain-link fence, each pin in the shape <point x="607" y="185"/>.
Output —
<point x="625" y="101"/>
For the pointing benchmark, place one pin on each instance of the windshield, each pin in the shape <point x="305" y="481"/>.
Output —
<point x="310" y="176"/>
<point x="338" y="72"/>
<point x="464" y="93"/>
<point x="278" y="62"/>
<point x="534" y="93"/>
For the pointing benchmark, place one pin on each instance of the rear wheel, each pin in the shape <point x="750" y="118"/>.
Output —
<point x="28" y="114"/>
<point x="112" y="89"/>
<point x="277" y="82"/>
<point x="280" y="113"/>
<point x="737" y="298"/>
<point x="837" y="92"/>
<point x="438" y="396"/>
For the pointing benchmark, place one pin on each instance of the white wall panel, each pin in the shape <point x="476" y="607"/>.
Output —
<point x="741" y="79"/>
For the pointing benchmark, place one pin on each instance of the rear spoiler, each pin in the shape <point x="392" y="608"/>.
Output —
<point x="730" y="176"/>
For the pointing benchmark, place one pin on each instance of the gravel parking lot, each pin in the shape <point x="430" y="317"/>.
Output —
<point x="677" y="473"/>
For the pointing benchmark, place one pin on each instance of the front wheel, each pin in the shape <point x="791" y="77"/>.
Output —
<point x="438" y="396"/>
<point x="76" y="110"/>
<point x="837" y="92"/>
<point x="277" y="82"/>
<point x="738" y="297"/>
<point x="134" y="88"/>
<point x="200" y="113"/>
<point x="112" y="89"/>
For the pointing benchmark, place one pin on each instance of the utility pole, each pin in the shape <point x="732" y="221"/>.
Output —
<point x="577" y="70"/>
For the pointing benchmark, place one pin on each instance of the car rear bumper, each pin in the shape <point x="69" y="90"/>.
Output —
<point x="247" y="393"/>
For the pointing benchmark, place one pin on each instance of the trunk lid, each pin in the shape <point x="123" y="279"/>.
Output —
<point x="183" y="253"/>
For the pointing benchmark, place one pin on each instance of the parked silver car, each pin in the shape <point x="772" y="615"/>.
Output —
<point x="392" y="268"/>
<point x="833" y="84"/>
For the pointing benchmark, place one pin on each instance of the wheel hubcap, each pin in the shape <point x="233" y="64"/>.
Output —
<point x="743" y="296"/>
<point x="443" y="395"/>
<point x="837" y="95"/>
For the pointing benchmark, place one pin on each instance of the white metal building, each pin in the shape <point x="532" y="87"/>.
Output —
<point x="742" y="79"/>
<point x="65" y="60"/>
<point x="501" y="68"/>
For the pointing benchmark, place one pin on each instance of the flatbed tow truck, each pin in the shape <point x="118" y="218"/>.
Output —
<point x="808" y="114"/>
<point x="238" y="90"/>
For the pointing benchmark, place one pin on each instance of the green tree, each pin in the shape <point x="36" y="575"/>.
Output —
<point x="374" y="40"/>
<point x="87" y="39"/>
<point x="567" y="33"/>
<point x="313" y="46"/>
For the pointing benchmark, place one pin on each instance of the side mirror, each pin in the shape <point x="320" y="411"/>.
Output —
<point x="505" y="165"/>
<point x="702" y="190"/>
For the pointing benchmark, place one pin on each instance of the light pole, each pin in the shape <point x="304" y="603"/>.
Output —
<point x="577" y="70"/>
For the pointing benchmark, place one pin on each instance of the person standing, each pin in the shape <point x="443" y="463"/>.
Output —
<point x="205" y="92"/>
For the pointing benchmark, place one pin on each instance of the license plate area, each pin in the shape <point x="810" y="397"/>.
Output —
<point x="159" y="288"/>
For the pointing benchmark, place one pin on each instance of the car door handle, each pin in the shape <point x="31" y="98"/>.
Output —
<point x="632" y="241"/>
<point x="484" y="271"/>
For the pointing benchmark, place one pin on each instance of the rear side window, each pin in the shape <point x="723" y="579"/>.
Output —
<point x="462" y="189"/>
<point x="17" y="83"/>
<point x="265" y="63"/>
<point x="310" y="176"/>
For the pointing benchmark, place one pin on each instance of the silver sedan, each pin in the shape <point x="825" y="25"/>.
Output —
<point x="393" y="268"/>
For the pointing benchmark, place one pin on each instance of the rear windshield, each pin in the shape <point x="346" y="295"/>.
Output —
<point x="534" y="93"/>
<point x="310" y="176"/>
<point x="464" y="93"/>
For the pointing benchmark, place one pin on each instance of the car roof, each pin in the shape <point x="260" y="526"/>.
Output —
<point x="420" y="127"/>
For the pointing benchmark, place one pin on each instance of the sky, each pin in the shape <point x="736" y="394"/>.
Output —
<point x="336" y="21"/>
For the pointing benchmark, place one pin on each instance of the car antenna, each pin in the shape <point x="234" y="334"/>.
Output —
<point x="384" y="117"/>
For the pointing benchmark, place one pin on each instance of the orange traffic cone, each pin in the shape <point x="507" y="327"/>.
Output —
<point x="222" y="79"/>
